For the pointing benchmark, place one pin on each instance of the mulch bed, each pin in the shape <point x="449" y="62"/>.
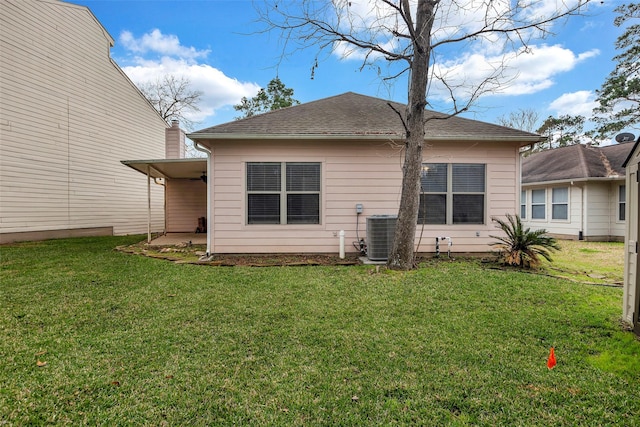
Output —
<point x="191" y="254"/>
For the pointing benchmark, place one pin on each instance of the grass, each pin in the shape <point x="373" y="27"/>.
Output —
<point x="588" y="262"/>
<point x="131" y="340"/>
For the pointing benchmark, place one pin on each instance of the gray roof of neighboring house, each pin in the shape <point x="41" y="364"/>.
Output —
<point x="352" y="115"/>
<point x="575" y="162"/>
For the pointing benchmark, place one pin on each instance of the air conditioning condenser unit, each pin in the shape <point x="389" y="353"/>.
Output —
<point x="380" y="232"/>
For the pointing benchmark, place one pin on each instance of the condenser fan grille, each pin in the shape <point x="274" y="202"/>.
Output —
<point x="380" y="231"/>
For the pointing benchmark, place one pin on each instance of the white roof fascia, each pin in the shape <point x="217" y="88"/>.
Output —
<point x="574" y="180"/>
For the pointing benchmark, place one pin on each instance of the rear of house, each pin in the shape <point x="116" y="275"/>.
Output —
<point x="68" y="115"/>
<point x="576" y="192"/>
<point x="291" y="180"/>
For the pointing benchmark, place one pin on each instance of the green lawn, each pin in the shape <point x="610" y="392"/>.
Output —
<point x="588" y="262"/>
<point x="130" y="340"/>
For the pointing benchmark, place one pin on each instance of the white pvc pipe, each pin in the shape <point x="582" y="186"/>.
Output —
<point x="341" y="244"/>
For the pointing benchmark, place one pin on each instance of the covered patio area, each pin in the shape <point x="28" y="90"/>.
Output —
<point x="185" y="185"/>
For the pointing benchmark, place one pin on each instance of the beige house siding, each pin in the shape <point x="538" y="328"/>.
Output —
<point x="365" y="172"/>
<point x="174" y="141"/>
<point x="598" y="219"/>
<point x="186" y="202"/>
<point x="68" y="115"/>
<point x="631" y="295"/>
<point x="602" y="220"/>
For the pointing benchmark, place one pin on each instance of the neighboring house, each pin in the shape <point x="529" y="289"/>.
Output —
<point x="289" y="181"/>
<point x="576" y="192"/>
<point x="631" y="297"/>
<point x="68" y="115"/>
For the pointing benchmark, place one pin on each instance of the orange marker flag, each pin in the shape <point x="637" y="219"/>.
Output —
<point x="551" y="361"/>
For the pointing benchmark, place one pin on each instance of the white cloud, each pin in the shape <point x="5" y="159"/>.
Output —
<point x="579" y="103"/>
<point x="163" y="44"/>
<point x="158" y="55"/>
<point x="219" y="90"/>
<point x="460" y="68"/>
<point x="521" y="73"/>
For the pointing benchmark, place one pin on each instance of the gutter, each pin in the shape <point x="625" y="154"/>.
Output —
<point x="203" y="149"/>
<point x="572" y="180"/>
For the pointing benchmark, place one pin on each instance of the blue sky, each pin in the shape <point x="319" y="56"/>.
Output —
<point x="217" y="45"/>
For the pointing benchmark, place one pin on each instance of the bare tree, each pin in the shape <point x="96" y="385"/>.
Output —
<point x="174" y="99"/>
<point x="525" y="119"/>
<point x="412" y="33"/>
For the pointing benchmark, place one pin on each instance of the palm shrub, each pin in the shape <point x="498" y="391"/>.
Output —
<point x="520" y="246"/>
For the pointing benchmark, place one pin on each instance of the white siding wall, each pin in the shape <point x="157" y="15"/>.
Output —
<point x="68" y="115"/>
<point x="617" y="226"/>
<point x="369" y="173"/>
<point x="597" y="205"/>
<point x="568" y="228"/>
<point x="593" y="208"/>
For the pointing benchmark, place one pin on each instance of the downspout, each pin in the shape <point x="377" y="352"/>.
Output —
<point x="521" y="155"/>
<point x="148" y="204"/>
<point x="205" y="150"/>
<point x="583" y="212"/>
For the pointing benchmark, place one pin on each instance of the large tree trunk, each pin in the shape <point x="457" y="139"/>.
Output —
<point x="402" y="254"/>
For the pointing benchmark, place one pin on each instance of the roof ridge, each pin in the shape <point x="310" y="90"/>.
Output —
<point x="306" y="104"/>
<point x="583" y="160"/>
<point x="607" y="164"/>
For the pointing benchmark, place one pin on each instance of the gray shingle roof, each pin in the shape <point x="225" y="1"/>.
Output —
<point x="354" y="115"/>
<point x="575" y="162"/>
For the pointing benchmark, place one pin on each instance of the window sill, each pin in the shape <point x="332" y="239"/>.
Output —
<point x="285" y="226"/>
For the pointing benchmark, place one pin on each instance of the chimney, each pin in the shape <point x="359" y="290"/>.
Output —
<point x="174" y="141"/>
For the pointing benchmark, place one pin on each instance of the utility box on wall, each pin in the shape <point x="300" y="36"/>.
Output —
<point x="380" y="232"/>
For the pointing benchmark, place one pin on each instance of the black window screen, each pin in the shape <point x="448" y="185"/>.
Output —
<point x="452" y="193"/>
<point x="263" y="176"/>
<point x="292" y="200"/>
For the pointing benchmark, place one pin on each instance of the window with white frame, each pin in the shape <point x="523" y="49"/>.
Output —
<point x="538" y="204"/>
<point x="283" y="193"/>
<point x="452" y="193"/>
<point x="622" y="202"/>
<point x="523" y="204"/>
<point x="560" y="203"/>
